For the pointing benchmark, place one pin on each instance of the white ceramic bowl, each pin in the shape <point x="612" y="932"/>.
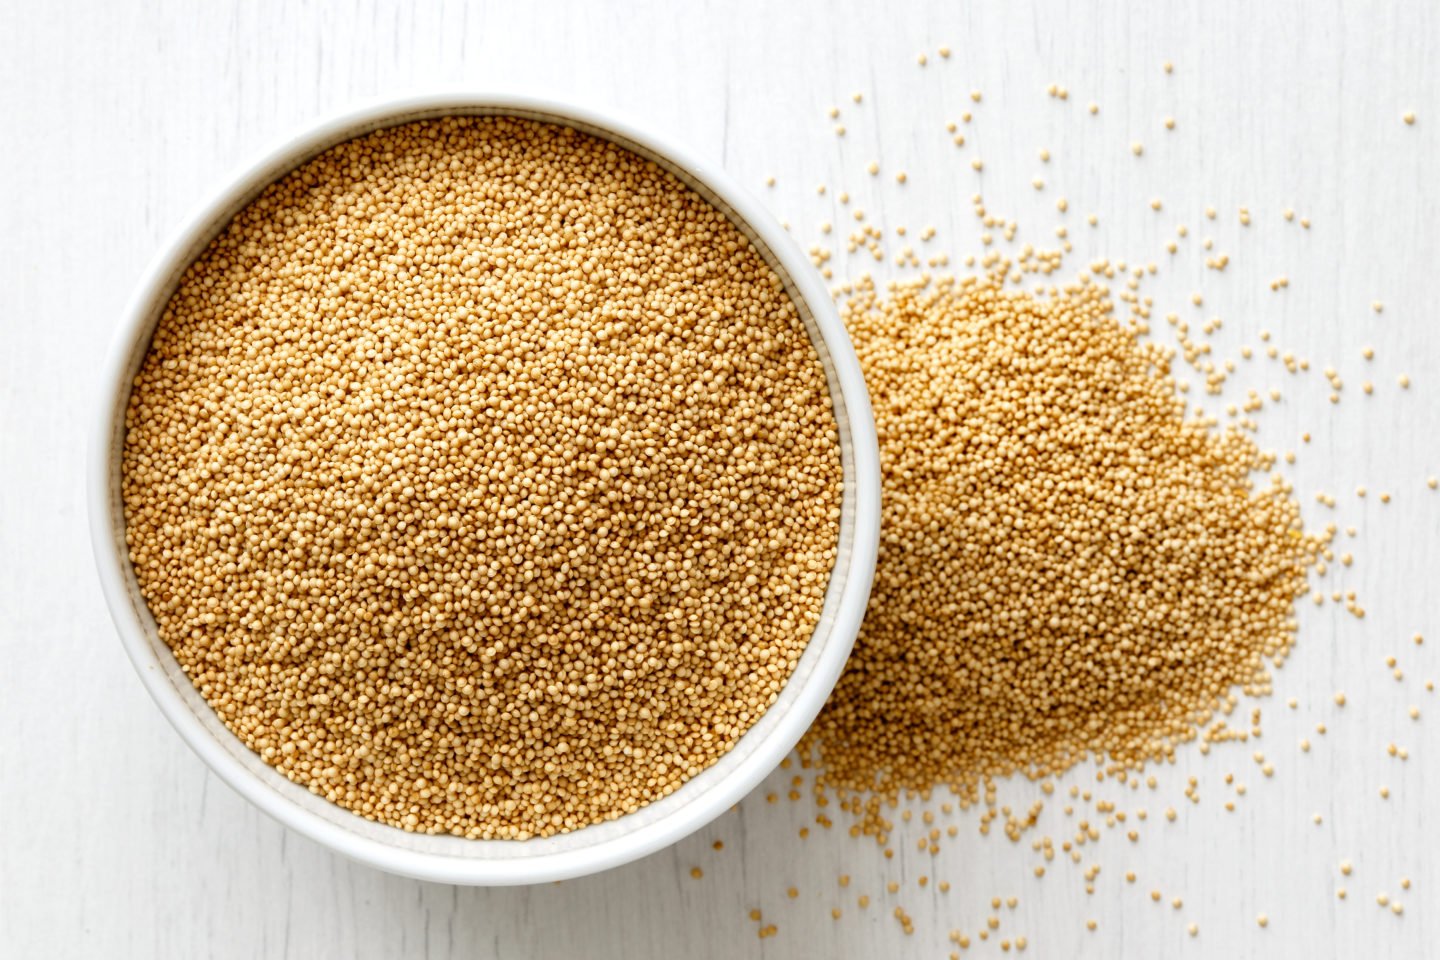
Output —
<point x="446" y="858"/>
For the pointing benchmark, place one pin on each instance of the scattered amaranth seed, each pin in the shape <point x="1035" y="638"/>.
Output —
<point x="1019" y="435"/>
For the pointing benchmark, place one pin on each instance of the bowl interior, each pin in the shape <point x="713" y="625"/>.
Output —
<point x="496" y="861"/>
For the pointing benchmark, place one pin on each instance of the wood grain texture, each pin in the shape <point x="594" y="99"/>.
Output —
<point x="120" y="117"/>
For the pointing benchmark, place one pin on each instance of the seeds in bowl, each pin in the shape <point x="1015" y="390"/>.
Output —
<point x="483" y="478"/>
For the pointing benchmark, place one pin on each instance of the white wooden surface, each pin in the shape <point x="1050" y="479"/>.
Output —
<point x="118" y="117"/>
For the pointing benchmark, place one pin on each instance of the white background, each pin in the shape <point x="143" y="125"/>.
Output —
<point x="118" y="118"/>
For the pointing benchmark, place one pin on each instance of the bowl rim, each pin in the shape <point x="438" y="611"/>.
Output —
<point x="132" y="336"/>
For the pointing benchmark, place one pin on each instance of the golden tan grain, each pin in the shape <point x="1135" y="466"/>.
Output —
<point x="483" y="478"/>
<point x="1069" y="566"/>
